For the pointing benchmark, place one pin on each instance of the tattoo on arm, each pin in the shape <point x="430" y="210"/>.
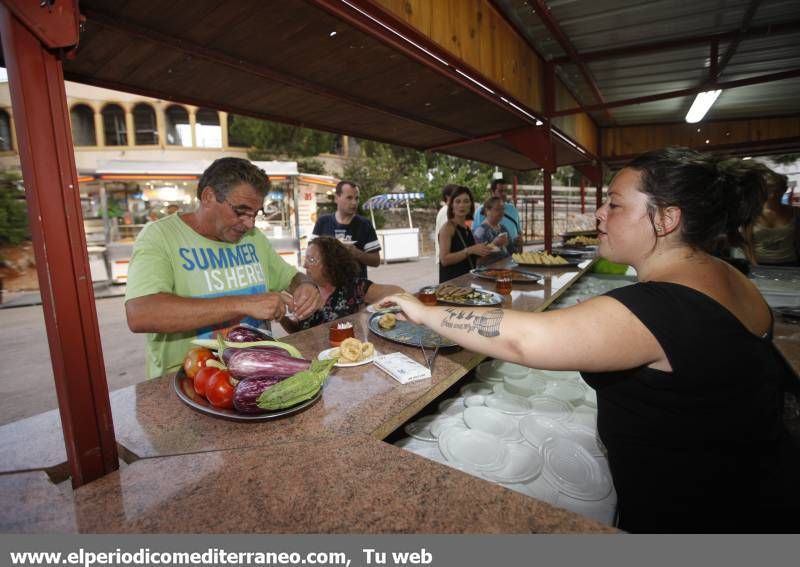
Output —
<point x="486" y="323"/>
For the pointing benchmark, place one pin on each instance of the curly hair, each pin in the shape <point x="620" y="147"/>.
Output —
<point x="340" y="267"/>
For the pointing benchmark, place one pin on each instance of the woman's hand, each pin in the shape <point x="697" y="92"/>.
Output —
<point x="480" y="250"/>
<point x="411" y="306"/>
<point x="501" y="240"/>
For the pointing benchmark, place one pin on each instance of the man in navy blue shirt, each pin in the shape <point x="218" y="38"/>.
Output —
<point x="350" y="229"/>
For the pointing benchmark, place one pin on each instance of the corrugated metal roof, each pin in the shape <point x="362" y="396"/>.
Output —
<point x="601" y="25"/>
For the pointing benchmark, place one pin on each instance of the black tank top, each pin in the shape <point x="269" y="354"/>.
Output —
<point x="456" y="244"/>
<point x="702" y="448"/>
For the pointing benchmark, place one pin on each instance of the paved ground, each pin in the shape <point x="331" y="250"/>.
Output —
<point x="26" y="375"/>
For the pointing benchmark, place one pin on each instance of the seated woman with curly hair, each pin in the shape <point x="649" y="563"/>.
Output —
<point x="336" y="272"/>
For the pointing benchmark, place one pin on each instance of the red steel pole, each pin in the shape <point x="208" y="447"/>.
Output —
<point x="41" y="117"/>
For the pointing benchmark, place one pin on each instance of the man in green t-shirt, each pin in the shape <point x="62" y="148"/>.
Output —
<point x="196" y="273"/>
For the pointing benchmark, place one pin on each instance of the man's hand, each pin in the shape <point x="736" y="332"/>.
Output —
<point x="306" y="300"/>
<point x="269" y="306"/>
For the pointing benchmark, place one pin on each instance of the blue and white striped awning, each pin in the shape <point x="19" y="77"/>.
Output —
<point x="391" y="200"/>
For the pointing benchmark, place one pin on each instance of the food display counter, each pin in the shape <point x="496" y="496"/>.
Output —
<point x="321" y="470"/>
<point x="326" y="469"/>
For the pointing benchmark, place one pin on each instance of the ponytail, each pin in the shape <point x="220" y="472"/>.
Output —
<point x="719" y="197"/>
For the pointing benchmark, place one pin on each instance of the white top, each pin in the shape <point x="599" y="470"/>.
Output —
<point x="441" y="220"/>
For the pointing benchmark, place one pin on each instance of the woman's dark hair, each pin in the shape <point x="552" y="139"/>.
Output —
<point x="461" y="190"/>
<point x="718" y="197"/>
<point x="339" y="264"/>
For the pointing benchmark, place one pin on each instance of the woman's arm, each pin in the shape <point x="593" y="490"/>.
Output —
<point x="597" y="335"/>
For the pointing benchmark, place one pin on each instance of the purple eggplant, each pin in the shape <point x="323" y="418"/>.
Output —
<point x="262" y="362"/>
<point x="245" y="397"/>
<point x="242" y="334"/>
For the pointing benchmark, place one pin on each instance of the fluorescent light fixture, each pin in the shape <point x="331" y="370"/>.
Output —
<point x="702" y="102"/>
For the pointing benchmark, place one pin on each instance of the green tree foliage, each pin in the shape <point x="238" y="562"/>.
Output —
<point x="384" y="168"/>
<point x="270" y="140"/>
<point x="13" y="210"/>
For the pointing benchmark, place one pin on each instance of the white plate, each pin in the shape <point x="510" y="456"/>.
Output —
<point x="567" y="390"/>
<point x="485" y="372"/>
<point x="509" y="403"/>
<point x="524" y="463"/>
<point x="452" y="406"/>
<point x="476" y="388"/>
<point x="551" y="407"/>
<point x="475" y="400"/>
<point x="499" y="389"/>
<point x="586" y="437"/>
<point x="504" y="369"/>
<point x="573" y="470"/>
<point x="444" y="422"/>
<point x="492" y="422"/>
<point x="421" y="428"/>
<point x="474" y="449"/>
<point x="326" y="355"/>
<point x="536" y="429"/>
<point x="590" y="399"/>
<point x="554" y="375"/>
<point x="529" y="385"/>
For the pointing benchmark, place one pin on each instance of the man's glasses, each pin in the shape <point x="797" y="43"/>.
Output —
<point x="244" y="212"/>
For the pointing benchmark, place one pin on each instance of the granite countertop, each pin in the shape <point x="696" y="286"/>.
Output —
<point x="351" y="484"/>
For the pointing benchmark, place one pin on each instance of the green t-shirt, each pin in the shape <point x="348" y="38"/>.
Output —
<point x="170" y="257"/>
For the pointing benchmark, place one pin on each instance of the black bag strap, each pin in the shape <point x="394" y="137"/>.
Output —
<point x="516" y="224"/>
<point x="463" y="242"/>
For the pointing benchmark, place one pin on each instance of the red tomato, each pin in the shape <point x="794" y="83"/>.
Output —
<point x="195" y="360"/>
<point x="219" y="390"/>
<point x="202" y="377"/>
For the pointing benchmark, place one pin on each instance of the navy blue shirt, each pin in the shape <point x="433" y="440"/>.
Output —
<point x="359" y="231"/>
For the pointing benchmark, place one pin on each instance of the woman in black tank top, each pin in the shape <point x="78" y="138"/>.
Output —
<point x="457" y="249"/>
<point x="689" y="384"/>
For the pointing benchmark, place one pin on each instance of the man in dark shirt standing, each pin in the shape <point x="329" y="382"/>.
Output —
<point x="350" y="229"/>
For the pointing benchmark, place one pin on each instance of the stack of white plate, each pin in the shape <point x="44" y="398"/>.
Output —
<point x="536" y="429"/>
<point x="473" y="450"/>
<point x="571" y="469"/>
<point x="551" y="407"/>
<point x="452" y="406"/>
<point x="523" y="463"/>
<point x="492" y="422"/>
<point x="568" y="390"/>
<point x="510" y="404"/>
<point x="528" y="385"/>
<point x="497" y="370"/>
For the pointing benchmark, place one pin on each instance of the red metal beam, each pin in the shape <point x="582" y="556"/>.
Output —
<point x="544" y="14"/>
<point x="734" y="44"/>
<point x="54" y="211"/>
<point x="666" y="45"/>
<point x="56" y="27"/>
<point x="684" y="92"/>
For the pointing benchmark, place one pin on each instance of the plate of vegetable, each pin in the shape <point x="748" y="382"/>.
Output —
<point x="517" y="276"/>
<point x="250" y="381"/>
<point x="456" y="295"/>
